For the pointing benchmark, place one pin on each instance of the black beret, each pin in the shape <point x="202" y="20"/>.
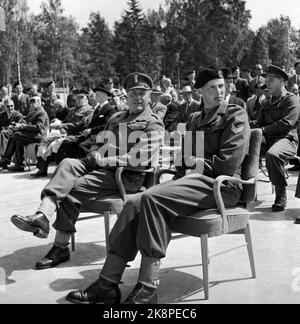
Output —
<point x="102" y="88"/>
<point x="277" y="72"/>
<point x="137" y="81"/>
<point x="207" y="75"/>
<point x="227" y="73"/>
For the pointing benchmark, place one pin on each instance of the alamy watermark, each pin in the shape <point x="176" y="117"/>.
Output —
<point x="139" y="148"/>
<point x="296" y="281"/>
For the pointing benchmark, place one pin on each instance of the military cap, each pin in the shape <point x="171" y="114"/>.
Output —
<point x="227" y="73"/>
<point x="296" y="64"/>
<point x="207" y="75"/>
<point x="102" y="88"/>
<point x="277" y="72"/>
<point x="137" y="81"/>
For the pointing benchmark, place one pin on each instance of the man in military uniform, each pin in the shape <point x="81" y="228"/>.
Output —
<point x="143" y="223"/>
<point x="279" y="121"/>
<point x="32" y="131"/>
<point x="129" y="134"/>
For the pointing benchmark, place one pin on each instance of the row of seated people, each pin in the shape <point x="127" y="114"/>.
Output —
<point x="143" y="225"/>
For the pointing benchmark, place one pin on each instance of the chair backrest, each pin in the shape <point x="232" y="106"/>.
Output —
<point x="251" y="165"/>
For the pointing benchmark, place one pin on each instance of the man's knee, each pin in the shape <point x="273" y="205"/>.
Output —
<point x="68" y="163"/>
<point x="272" y="154"/>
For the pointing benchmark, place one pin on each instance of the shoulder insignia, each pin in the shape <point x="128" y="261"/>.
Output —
<point x="237" y="130"/>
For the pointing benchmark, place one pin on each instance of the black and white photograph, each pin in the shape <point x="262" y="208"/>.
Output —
<point x="149" y="155"/>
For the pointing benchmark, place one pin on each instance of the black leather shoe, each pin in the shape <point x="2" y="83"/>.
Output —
<point x="100" y="291"/>
<point x="297" y="221"/>
<point x="40" y="174"/>
<point x="37" y="224"/>
<point x="281" y="200"/>
<point x="142" y="295"/>
<point x="4" y="164"/>
<point x="55" y="257"/>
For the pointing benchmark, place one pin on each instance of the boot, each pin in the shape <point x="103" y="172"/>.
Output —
<point x="4" y="163"/>
<point x="281" y="199"/>
<point x="145" y="291"/>
<point x="43" y="169"/>
<point x="101" y="291"/>
<point x="37" y="224"/>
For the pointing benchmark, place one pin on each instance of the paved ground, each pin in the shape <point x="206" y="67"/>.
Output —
<point x="275" y="237"/>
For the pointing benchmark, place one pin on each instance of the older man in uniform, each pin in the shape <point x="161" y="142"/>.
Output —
<point x="279" y="120"/>
<point x="129" y="134"/>
<point x="143" y="223"/>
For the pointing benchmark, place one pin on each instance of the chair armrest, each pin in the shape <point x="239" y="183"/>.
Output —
<point x="218" y="196"/>
<point x="118" y="176"/>
<point x="160" y="173"/>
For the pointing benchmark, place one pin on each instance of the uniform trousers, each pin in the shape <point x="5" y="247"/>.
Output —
<point x="75" y="185"/>
<point x="277" y="152"/>
<point x="143" y="224"/>
<point x="15" y="145"/>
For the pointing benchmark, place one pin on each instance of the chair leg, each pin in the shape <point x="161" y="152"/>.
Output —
<point x="107" y="229"/>
<point x="205" y="264"/>
<point x="250" y="250"/>
<point x="73" y="242"/>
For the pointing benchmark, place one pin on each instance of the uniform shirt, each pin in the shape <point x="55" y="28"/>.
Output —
<point x="279" y="117"/>
<point x="226" y="135"/>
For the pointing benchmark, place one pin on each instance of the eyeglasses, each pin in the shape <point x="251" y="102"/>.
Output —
<point x="34" y="100"/>
<point x="10" y="106"/>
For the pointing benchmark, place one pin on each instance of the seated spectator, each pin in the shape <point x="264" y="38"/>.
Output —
<point x="3" y="97"/>
<point x="170" y="120"/>
<point x="59" y="111"/>
<point x="256" y="102"/>
<point x="157" y="107"/>
<point x="189" y="106"/>
<point x="259" y="78"/>
<point x="190" y="78"/>
<point x="94" y="176"/>
<point x="49" y="97"/>
<point x="241" y="84"/>
<point x="8" y="119"/>
<point x="295" y="89"/>
<point x="32" y="131"/>
<point x="166" y="85"/>
<point x="70" y="129"/>
<point x="229" y="88"/>
<point x="20" y="100"/>
<point x="71" y="99"/>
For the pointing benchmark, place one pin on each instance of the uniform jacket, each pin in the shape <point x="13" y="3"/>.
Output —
<point x="226" y="139"/>
<point x="15" y="117"/>
<point x="186" y="110"/>
<point x="279" y="117"/>
<point x="21" y="103"/>
<point x="78" y="120"/>
<point x="101" y="117"/>
<point x="127" y="138"/>
<point x="36" y="124"/>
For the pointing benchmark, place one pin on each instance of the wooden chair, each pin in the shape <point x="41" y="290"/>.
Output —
<point x="213" y="223"/>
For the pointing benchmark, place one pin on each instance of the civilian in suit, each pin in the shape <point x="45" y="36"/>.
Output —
<point x="259" y="71"/>
<point x="256" y="102"/>
<point x="229" y="85"/>
<point x="49" y="97"/>
<point x="295" y="79"/>
<point x="189" y="106"/>
<point x="241" y="85"/>
<point x="20" y="100"/>
<point x="32" y="131"/>
<point x="8" y="118"/>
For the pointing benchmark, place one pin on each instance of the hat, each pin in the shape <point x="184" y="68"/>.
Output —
<point x="277" y="72"/>
<point x="137" y="81"/>
<point x="207" y="75"/>
<point x="227" y="73"/>
<point x="187" y="89"/>
<point x="157" y="89"/>
<point x="101" y="88"/>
